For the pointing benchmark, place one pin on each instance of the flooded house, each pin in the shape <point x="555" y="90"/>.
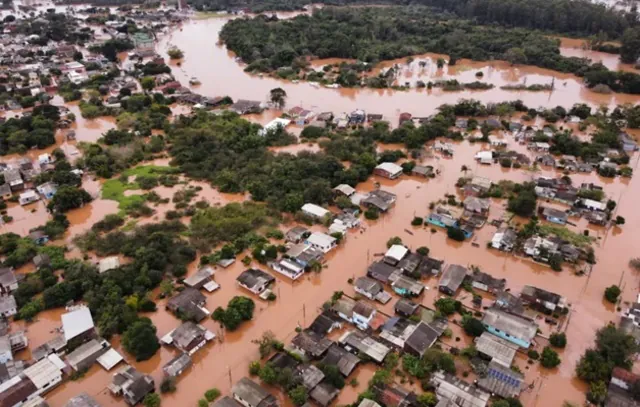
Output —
<point x="47" y="190"/>
<point x="477" y="186"/>
<point x="501" y="380"/>
<point x="34" y="381"/>
<point x="13" y="177"/>
<point x="388" y="170"/>
<point x="406" y="286"/>
<point x="379" y="199"/>
<point x="27" y="197"/>
<point x="513" y="328"/>
<point x="255" y="280"/>
<point x="324" y="393"/>
<point x="39" y="237"/>
<point x="443" y="217"/>
<point x="189" y="304"/>
<point x="8" y="306"/>
<point x="77" y="325"/>
<point x="424" y="171"/>
<point x="360" y="343"/>
<point x="288" y="268"/>
<point x="315" y="211"/>
<point x="422" y="338"/>
<point x="296" y="234"/>
<point x="131" y="385"/>
<point x="371" y="289"/>
<point x="203" y="278"/>
<point x="178" y="365"/>
<point x="619" y="393"/>
<point x="309" y="375"/>
<point x="543" y="300"/>
<point x="452" y="278"/>
<point x="405" y="307"/>
<point x="225" y="401"/>
<point x="82" y="400"/>
<point x="554" y="215"/>
<point x="394" y="395"/>
<point x="362" y="315"/>
<point x="310" y="344"/>
<point x="345" y="361"/>
<point x="250" y="394"/>
<point x="322" y="241"/>
<point x="505" y="300"/>
<point x="383" y="272"/>
<point x="395" y="254"/>
<point x="486" y="282"/>
<point x="8" y="280"/>
<point x="246" y="107"/>
<point x="304" y="254"/>
<point x="496" y="349"/>
<point x="396" y="331"/>
<point x="5" y="191"/>
<point x="324" y="323"/>
<point x="85" y="355"/>
<point x="188" y="337"/>
<point x="55" y="345"/>
<point x="463" y="394"/>
<point x="504" y="239"/>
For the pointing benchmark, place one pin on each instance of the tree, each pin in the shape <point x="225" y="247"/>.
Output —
<point x="175" y="53"/>
<point x="68" y="197"/>
<point x="298" y="395"/>
<point x="148" y="83"/>
<point x="593" y="367"/>
<point x="151" y="400"/>
<point x="630" y="48"/>
<point x="515" y="56"/>
<point x="140" y="339"/>
<point x="455" y="234"/>
<point x="268" y="374"/>
<point x="555" y="261"/>
<point x="396" y="240"/>
<point x="423" y="251"/>
<point x="559" y="340"/>
<point x="334" y="377"/>
<point x="278" y="97"/>
<point x="612" y="293"/>
<point x="212" y="394"/>
<point x="620" y="220"/>
<point x="168" y="384"/>
<point x="597" y="392"/>
<point x="244" y="306"/>
<point x="472" y="326"/>
<point x="549" y="358"/>
<point x="446" y="305"/>
<point x="427" y="400"/>
<point x="523" y="204"/>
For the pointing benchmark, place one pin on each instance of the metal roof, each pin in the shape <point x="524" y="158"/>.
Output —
<point x="76" y="322"/>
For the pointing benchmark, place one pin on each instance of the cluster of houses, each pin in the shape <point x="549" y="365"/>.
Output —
<point x="562" y="191"/>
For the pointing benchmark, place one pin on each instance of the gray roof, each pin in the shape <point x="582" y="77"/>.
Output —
<point x="497" y="348"/>
<point x="365" y="344"/>
<point x="251" y="392"/>
<point x="493" y="283"/>
<point x="177" y="364"/>
<point x="199" y="277"/>
<point x="460" y="392"/>
<point x="226" y="401"/>
<point x="310" y="375"/>
<point x="554" y="213"/>
<point x="311" y="343"/>
<point x="344" y="360"/>
<point x="254" y="277"/>
<point x="344" y="306"/>
<point x="186" y="333"/>
<point x="422" y="338"/>
<point x="7" y="276"/>
<point x="368" y="285"/>
<point x="453" y="276"/>
<point x="188" y="301"/>
<point x="516" y="326"/>
<point x="7" y="303"/>
<point x="323" y="394"/>
<point x="501" y="380"/>
<point x="405" y="306"/>
<point x="364" y="309"/>
<point x="11" y="175"/>
<point x="82" y="400"/>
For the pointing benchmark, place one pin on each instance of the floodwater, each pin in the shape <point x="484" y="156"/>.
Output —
<point x="220" y="74"/>
<point x="226" y="360"/>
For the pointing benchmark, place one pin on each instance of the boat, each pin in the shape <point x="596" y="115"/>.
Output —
<point x="194" y="81"/>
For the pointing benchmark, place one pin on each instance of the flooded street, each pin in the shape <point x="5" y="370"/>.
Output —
<point x="221" y="75"/>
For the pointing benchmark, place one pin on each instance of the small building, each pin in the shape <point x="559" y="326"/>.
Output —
<point x="501" y="380"/>
<point x="555" y="216"/>
<point x="250" y="394"/>
<point x="477" y="205"/>
<point x="619" y="391"/>
<point x="371" y="289"/>
<point x="513" y="328"/>
<point x="274" y="125"/>
<point x="6" y="353"/>
<point x="5" y="191"/>
<point x="178" y="365"/>
<point x="108" y="263"/>
<point x="8" y="280"/>
<point x="396" y="331"/>
<point x="84" y="356"/>
<point x="315" y="211"/>
<point x="189" y="304"/>
<point x="379" y="199"/>
<point x="255" y="280"/>
<point x="395" y="254"/>
<point x="321" y="241"/>
<point x="360" y="343"/>
<point x="296" y="234"/>
<point x="246" y="107"/>
<point x="345" y="189"/>
<point x="486" y="282"/>
<point x="82" y="400"/>
<point x="47" y="190"/>
<point x="345" y="361"/>
<point x="362" y="315"/>
<point x="132" y="385"/>
<point x="393" y="395"/>
<point x="543" y="300"/>
<point x="288" y="268"/>
<point x="496" y="349"/>
<point x="310" y="376"/>
<point x="13" y="177"/>
<point x="200" y="278"/>
<point x="504" y="239"/>
<point x="449" y="387"/>
<point x="383" y="272"/>
<point x="407" y="286"/>
<point x="188" y="337"/>
<point x="388" y="170"/>
<point x="78" y="324"/>
<point x="405" y="307"/>
<point x="422" y="171"/>
<point x="452" y="278"/>
<point x="27" y="197"/>
<point x="344" y="308"/>
<point x="110" y="359"/>
<point x="226" y="401"/>
<point x="41" y="260"/>
<point x="324" y="394"/>
<point x="38" y="237"/>
<point x="484" y="157"/>
<point x="33" y="382"/>
<point x="324" y="323"/>
<point x="310" y="344"/>
<point x="421" y="339"/>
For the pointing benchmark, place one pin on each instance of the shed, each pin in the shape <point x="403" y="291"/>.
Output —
<point x="76" y="323"/>
<point x="452" y="278"/>
<point x="110" y="359"/>
<point x="176" y="366"/>
<point x="250" y="394"/>
<point x="395" y="254"/>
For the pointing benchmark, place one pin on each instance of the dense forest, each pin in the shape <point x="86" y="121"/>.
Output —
<point x="375" y="34"/>
<point x="578" y="17"/>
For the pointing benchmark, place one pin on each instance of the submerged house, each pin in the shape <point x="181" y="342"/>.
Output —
<point x="255" y="280"/>
<point x="132" y="385"/>
<point x="189" y="304"/>
<point x="452" y="278"/>
<point x="379" y="199"/>
<point x="371" y="289"/>
<point x="504" y="239"/>
<point x="513" y="328"/>
<point x="188" y="337"/>
<point x="360" y="343"/>
<point x="486" y="282"/>
<point x="250" y="394"/>
<point x="543" y="300"/>
<point x="501" y="380"/>
<point x="388" y="170"/>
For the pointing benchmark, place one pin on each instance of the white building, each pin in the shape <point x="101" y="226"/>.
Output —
<point x="315" y="210"/>
<point x="322" y="241"/>
<point x="274" y="125"/>
<point x="28" y="196"/>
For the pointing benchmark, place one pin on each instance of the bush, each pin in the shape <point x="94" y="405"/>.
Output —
<point x="455" y="234"/>
<point x="168" y="385"/>
<point x="533" y="354"/>
<point x="559" y="340"/>
<point x="612" y="293"/>
<point x="372" y="213"/>
<point x="212" y="394"/>
<point x="254" y="368"/>
<point x="549" y="358"/>
<point x="472" y="326"/>
<point x="151" y="400"/>
<point x="417" y="221"/>
<point x="423" y="251"/>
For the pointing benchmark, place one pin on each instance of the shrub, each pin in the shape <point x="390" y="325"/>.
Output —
<point x="533" y="354"/>
<point x="559" y="340"/>
<point x="417" y="221"/>
<point x="612" y="293"/>
<point x="212" y="394"/>
<point x="549" y="358"/>
<point x="455" y="234"/>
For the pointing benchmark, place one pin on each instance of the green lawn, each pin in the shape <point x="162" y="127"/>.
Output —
<point x="114" y="188"/>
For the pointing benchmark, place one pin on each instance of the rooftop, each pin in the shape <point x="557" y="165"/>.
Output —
<point x="513" y="325"/>
<point x="76" y="323"/>
<point x="497" y="348"/>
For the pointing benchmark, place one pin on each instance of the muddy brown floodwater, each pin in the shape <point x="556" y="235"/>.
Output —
<point x="216" y="67"/>
<point x="224" y="361"/>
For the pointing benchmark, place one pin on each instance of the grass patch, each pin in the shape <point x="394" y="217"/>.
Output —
<point x="115" y="188"/>
<point x="576" y="239"/>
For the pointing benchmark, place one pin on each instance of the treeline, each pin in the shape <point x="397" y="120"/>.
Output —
<point x="19" y="134"/>
<point x="376" y="34"/>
